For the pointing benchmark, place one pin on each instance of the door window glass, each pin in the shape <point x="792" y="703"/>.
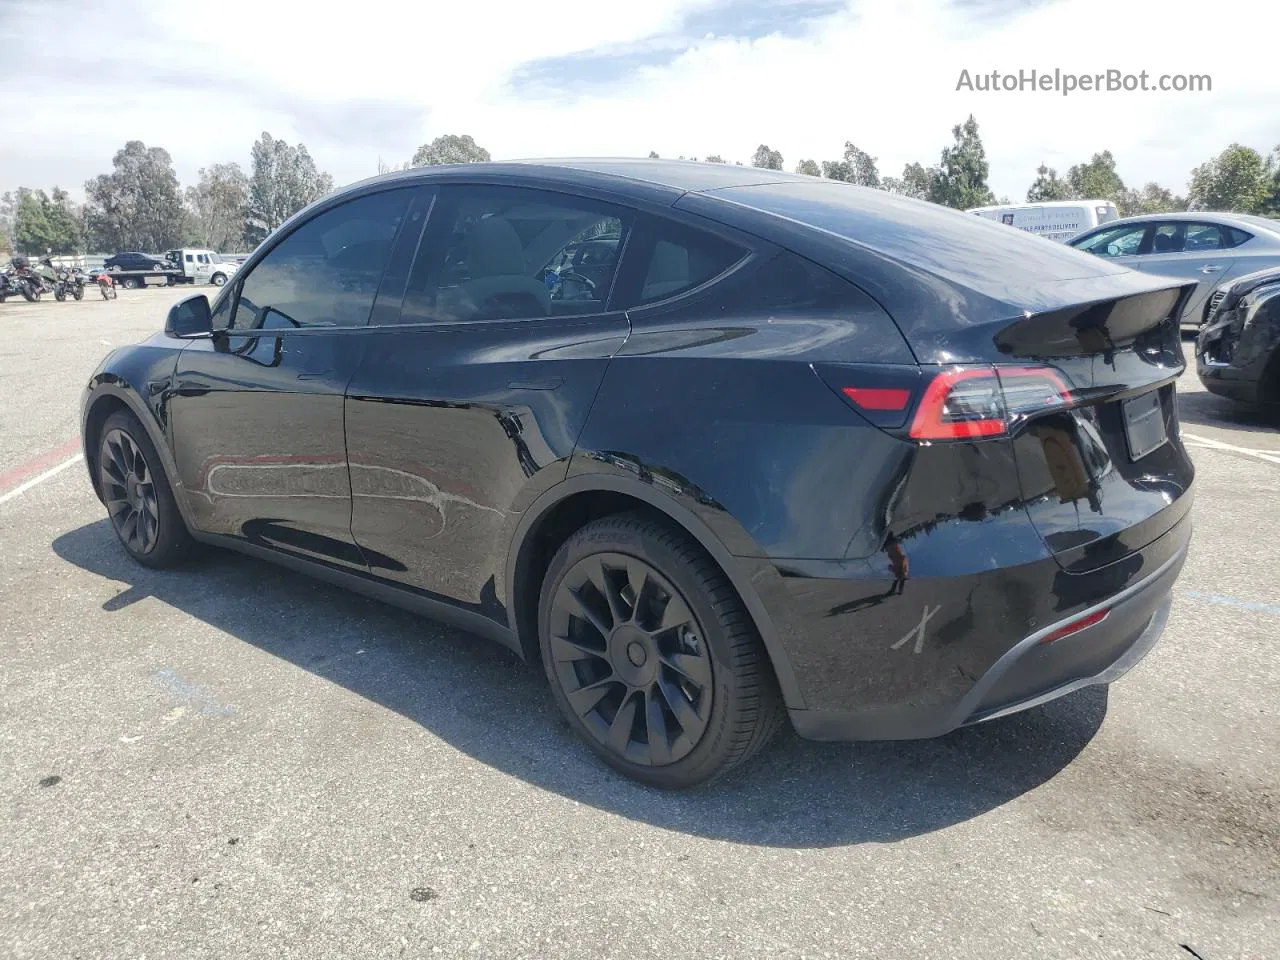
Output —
<point x="506" y="253"/>
<point x="1116" y="242"/>
<point x="1205" y="236"/>
<point x="682" y="258"/>
<point x="326" y="272"/>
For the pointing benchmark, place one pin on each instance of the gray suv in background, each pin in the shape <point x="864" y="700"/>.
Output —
<point x="1206" y="247"/>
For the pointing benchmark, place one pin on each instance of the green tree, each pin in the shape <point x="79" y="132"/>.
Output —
<point x="766" y="159"/>
<point x="1152" y="198"/>
<point x="1047" y="186"/>
<point x="1238" y="180"/>
<point x="809" y="168"/>
<point x="284" y="180"/>
<point x="714" y="158"/>
<point x="6" y="245"/>
<point x="653" y="155"/>
<point x="960" y="181"/>
<point x="46" y="224"/>
<point x="916" y="182"/>
<point x="1096" y="180"/>
<point x="450" y="148"/>
<point x="138" y="205"/>
<point x="8" y="211"/>
<point x="857" y="167"/>
<point x="218" y="204"/>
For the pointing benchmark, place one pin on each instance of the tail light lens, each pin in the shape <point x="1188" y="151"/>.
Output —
<point x="985" y="402"/>
<point x="960" y="403"/>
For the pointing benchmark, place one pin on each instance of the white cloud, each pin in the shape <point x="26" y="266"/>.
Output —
<point x="382" y="77"/>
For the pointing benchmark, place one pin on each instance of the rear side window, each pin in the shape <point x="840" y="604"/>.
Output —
<point x="1237" y="236"/>
<point x="510" y="253"/>
<point x="326" y="272"/>
<point x="671" y="258"/>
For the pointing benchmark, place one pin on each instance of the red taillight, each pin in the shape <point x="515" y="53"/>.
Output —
<point x="878" y="398"/>
<point x="960" y="404"/>
<point x="1075" y="626"/>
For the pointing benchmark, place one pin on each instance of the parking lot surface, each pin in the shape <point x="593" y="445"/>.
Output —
<point x="231" y="760"/>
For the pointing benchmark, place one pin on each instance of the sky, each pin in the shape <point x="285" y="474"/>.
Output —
<point x="603" y="78"/>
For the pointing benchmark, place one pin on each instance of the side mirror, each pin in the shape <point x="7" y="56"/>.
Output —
<point x="189" y="318"/>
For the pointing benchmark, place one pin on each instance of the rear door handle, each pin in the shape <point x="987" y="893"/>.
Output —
<point x="315" y="374"/>
<point x="1211" y="268"/>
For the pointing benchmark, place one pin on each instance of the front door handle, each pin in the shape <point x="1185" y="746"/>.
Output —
<point x="1211" y="268"/>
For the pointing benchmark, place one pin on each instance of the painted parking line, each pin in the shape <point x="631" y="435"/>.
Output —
<point x="1267" y="456"/>
<point x="20" y="479"/>
<point x="1253" y="606"/>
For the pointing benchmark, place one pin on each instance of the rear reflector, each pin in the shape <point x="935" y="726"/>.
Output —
<point x="1075" y="626"/>
<point x="878" y="398"/>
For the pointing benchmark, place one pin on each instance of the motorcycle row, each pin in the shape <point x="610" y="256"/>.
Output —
<point x="32" y="283"/>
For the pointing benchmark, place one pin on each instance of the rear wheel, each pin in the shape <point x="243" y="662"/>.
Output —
<point x="131" y="283"/>
<point x="651" y="656"/>
<point x="137" y="494"/>
<point x="78" y="291"/>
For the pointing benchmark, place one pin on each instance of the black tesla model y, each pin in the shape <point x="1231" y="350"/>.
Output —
<point x="783" y="448"/>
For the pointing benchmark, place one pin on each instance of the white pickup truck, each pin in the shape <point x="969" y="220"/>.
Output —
<point x="201" y="266"/>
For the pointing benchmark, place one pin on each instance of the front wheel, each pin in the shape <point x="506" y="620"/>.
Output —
<point x="218" y="279"/>
<point x="78" y="291"/>
<point x="131" y="283"/>
<point x="60" y="294"/>
<point x="30" y="293"/>
<point x="137" y="494"/>
<point x="651" y="657"/>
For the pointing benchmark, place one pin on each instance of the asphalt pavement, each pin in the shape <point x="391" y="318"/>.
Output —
<point x="231" y="760"/>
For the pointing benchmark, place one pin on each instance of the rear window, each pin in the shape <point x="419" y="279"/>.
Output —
<point x="977" y="253"/>
<point x="673" y="259"/>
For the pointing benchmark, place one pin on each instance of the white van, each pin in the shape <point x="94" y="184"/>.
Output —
<point x="1059" y="220"/>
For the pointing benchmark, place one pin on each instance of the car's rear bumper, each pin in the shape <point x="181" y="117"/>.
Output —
<point x="1032" y="672"/>
<point x="945" y="652"/>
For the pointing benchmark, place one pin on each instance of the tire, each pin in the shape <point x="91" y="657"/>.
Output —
<point x="131" y="283"/>
<point x="218" y="279"/>
<point x="624" y="660"/>
<point x="29" y="293"/>
<point x="60" y="295"/>
<point x="134" y="488"/>
<point x="78" y="291"/>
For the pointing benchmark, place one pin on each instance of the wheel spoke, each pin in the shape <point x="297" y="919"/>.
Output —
<point x="567" y="649"/>
<point x="680" y="706"/>
<point x="608" y="587"/>
<point x="696" y="669"/>
<point x="129" y="529"/>
<point x="676" y="613"/>
<point x="117" y="507"/>
<point x="623" y="721"/>
<point x="585" y="699"/>
<point x="585" y="611"/>
<point x="656" y="724"/>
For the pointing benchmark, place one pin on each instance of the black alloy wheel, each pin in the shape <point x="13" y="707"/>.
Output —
<point x="650" y="655"/>
<point x="137" y="495"/>
<point x="128" y="489"/>
<point x="631" y="658"/>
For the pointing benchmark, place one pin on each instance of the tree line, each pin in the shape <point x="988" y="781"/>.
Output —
<point x="1238" y="180"/>
<point x="141" y="205"/>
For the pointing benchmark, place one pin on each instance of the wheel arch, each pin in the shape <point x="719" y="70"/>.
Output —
<point x="572" y="503"/>
<point x="108" y="397"/>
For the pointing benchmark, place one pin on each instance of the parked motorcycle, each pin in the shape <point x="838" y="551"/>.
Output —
<point x="68" y="280"/>
<point x="6" y="287"/>
<point x="25" y="280"/>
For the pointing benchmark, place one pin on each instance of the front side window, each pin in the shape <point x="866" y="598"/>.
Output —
<point x="508" y="253"/>
<point x="326" y="272"/>
<point x="1116" y="242"/>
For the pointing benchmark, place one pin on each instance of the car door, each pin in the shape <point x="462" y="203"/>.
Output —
<point x="257" y="409"/>
<point x="1190" y="250"/>
<point x="467" y="403"/>
<point x="1123" y="243"/>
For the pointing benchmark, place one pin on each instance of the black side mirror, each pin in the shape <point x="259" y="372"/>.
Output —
<point x="190" y="318"/>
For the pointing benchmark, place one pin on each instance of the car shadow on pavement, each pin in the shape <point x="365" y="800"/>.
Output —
<point x="1200" y="408"/>
<point x="484" y="702"/>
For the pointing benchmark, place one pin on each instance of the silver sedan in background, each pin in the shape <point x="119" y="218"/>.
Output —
<point x="1206" y="247"/>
